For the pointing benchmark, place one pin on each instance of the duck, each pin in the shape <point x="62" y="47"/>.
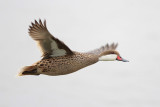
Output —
<point x="59" y="59"/>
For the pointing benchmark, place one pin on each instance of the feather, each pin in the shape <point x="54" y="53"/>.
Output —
<point x="49" y="45"/>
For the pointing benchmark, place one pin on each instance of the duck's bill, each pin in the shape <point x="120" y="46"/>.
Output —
<point x="124" y="60"/>
<point x="121" y="59"/>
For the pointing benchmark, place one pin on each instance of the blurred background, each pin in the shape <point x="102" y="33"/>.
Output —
<point x="83" y="25"/>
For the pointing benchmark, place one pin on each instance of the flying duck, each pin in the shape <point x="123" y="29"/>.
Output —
<point x="59" y="59"/>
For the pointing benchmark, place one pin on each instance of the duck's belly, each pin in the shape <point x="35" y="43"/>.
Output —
<point x="65" y="64"/>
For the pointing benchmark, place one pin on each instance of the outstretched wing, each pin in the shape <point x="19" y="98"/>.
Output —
<point x="102" y="50"/>
<point x="49" y="45"/>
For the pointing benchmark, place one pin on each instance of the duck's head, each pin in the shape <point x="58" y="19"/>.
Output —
<point x="112" y="57"/>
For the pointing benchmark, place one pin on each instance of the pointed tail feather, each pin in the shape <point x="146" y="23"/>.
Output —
<point x="28" y="70"/>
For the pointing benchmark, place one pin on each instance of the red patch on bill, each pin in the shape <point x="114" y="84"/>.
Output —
<point x="119" y="58"/>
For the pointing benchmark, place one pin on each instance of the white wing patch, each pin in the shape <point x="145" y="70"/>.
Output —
<point x="58" y="52"/>
<point x="54" y="45"/>
<point x="48" y="44"/>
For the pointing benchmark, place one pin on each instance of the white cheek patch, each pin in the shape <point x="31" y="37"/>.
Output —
<point x="110" y="57"/>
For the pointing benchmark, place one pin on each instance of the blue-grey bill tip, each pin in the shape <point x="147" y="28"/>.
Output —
<point x="124" y="60"/>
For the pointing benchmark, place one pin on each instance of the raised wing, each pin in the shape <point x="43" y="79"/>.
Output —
<point x="104" y="49"/>
<point x="49" y="45"/>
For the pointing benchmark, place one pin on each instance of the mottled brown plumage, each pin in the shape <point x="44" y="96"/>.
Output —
<point x="58" y="59"/>
<point x="64" y="65"/>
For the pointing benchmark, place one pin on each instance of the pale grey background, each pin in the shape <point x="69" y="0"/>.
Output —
<point x="83" y="25"/>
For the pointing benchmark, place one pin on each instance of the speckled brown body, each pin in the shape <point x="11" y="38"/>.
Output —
<point x="58" y="58"/>
<point x="65" y="64"/>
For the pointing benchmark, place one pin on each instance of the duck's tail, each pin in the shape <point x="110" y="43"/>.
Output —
<point x="28" y="70"/>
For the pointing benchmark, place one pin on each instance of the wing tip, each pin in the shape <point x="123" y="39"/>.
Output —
<point x="37" y="25"/>
<point x="112" y="46"/>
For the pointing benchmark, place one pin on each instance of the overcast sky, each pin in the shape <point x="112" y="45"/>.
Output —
<point x="83" y="25"/>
